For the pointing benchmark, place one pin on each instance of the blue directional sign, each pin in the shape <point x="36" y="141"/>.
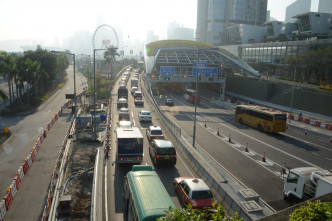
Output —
<point x="204" y="70"/>
<point x="201" y="64"/>
<point x="167" y="71"/>
<point x="208" y="72"/>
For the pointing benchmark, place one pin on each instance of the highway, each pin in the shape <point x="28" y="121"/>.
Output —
<point x="292" y="148"/>
<point x="114" y="173"/>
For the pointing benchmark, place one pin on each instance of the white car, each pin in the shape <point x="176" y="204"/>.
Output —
<point x="125" y="123"/>
<point x="133" y="90"/>
<point x="144" y="115"/>
<point x="124" y="114"/>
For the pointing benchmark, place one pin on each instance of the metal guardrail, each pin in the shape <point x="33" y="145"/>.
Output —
<point x="57" y="190"/>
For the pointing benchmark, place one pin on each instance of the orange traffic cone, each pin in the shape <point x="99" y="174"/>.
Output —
<point x="283" y="170"/>
<point x="264" y="159"/>
<point x="246" y="149"/>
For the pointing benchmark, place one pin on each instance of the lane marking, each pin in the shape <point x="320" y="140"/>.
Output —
<point x="307" y="142"/>
<point x="255" y="139"/>
<point x="106" y="202"/>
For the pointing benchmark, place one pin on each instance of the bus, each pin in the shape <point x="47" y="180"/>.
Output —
<point x="190" y="96"/>
<point x="262" y="118"/>
<point x="145" y="195"/>
<point x="129" y="145"/>
<point x="122" y="92"/>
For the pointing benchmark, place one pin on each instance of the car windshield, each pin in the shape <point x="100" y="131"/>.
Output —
<point x="201" y="194"/>
<point x="124" y="110"/>
<point x="156" y="132"/>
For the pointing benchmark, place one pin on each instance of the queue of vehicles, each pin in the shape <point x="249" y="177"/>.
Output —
<point x="129" y="142"/>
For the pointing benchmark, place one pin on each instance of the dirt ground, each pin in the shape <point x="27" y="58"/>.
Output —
<point x="80" y="187"/>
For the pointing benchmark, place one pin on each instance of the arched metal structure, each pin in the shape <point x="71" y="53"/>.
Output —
<point x="105" y="36"/>
<point x="183" y="53"/>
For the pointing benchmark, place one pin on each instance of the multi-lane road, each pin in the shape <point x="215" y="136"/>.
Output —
<point x="291" y="148"/>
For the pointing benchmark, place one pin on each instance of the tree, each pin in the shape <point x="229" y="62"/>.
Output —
<point x="282" y="37"/>
<point x="4" y="61"/>
<point x="313" y="211"/>
<point x="215" y="214"/>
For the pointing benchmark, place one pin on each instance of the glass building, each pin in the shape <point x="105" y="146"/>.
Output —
<point x="215" y="16"/>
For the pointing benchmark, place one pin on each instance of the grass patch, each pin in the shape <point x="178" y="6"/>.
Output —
<point x="61" y="85"/>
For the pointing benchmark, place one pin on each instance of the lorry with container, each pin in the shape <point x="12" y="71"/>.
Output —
<point x="305" y="183"/>
<point x="134" y="82"/>
<point x="129" y="143"/>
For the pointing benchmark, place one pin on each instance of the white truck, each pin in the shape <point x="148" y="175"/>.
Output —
<point x="304" y="183"/>
<point x="134" y="82"/>
<point x="129" y="141"/>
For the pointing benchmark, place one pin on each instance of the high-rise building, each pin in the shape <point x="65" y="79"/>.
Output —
<point x="214" y="16"/>
<point x="174" y="31"/>
<point x="325" y="6"/>
<point x="296" y="8"/>
<point x="304" y="6"/>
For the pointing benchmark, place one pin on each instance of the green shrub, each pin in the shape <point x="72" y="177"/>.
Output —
<point x="311" y="212"/>
<point x="61" y="85"/>
<point x="198" y="215"/>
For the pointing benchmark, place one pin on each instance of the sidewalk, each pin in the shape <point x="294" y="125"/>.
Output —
<point x="29" y="200"/>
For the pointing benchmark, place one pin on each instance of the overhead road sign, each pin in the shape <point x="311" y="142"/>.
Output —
<point x="167" y="70"/>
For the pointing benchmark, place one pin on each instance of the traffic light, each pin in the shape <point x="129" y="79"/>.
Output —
<point x="167" y="78"/>
<point x="199" y="78"/>
<point x="210" y="79"/>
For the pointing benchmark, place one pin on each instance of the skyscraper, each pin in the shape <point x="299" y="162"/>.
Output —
<point x="214" y="16"/>
<point x="296" y="8"/>
<point x="325" y="6"/>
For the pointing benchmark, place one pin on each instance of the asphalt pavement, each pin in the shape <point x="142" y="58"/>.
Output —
<point x="30" y="198"/>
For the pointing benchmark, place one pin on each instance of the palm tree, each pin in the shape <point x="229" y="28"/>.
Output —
<point x="4" y="69"/>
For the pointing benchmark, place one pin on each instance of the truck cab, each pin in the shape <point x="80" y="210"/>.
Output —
<point x="307" y="182"/>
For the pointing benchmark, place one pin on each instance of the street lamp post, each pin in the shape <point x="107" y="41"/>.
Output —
<point x="94" y="90"/>
<point x="197" y="69"/>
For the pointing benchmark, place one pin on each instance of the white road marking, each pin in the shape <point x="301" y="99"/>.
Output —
<point x="317" y="145"/>
<point x="253" y="138"/>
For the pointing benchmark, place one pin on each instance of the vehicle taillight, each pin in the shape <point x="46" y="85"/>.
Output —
<point x="157" y="156"/>
<point x="137" y="158"/>
<point x="121" y="158"/>
<point x="174" y="156"/>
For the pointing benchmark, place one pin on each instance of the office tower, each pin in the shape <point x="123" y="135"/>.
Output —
<point x="325" y="6"/>
<point x="214" y="16"/>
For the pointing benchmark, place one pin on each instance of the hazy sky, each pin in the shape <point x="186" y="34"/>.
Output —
<point x="58" y="19"/>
